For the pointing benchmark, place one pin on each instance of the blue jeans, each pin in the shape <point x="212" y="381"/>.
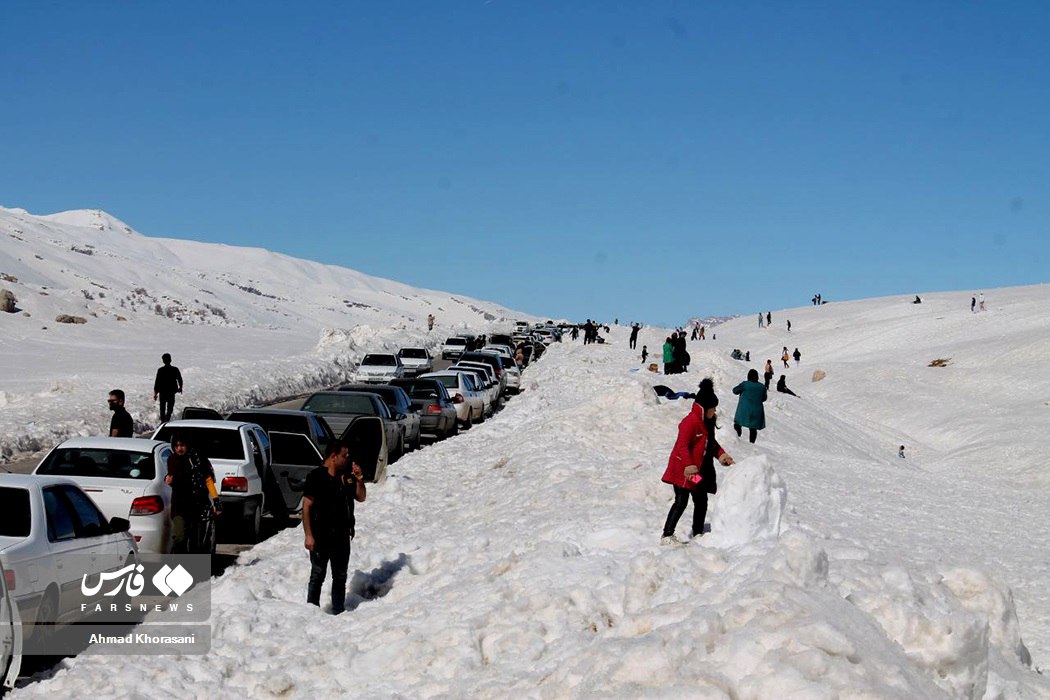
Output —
<point x="339" y="557"/>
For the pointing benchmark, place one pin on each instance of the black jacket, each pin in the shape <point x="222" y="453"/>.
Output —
<point x="168" y="381"/>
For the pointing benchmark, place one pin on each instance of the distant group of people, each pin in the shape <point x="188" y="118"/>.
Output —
<point x="590" y="332"/>
<point x="817" y="301"/>
<point x="977" y="303"/>
<point x="698" y="332"/>
<point x="676" y="357"/>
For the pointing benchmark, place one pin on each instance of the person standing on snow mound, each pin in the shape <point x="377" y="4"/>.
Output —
<point x="633" y="343"/>
<point x="749" y="411"/>
<point x="690" y="468"/>
<point x="768" y="373"/>
<point x="798" y="356"/>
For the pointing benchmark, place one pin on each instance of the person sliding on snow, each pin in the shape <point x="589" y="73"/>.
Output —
<point x="690" y="468"/>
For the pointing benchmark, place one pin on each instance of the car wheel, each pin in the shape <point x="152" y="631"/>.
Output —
<point x="469" y="423"/>
<point x="46" y="616"/>
<point x="253" y="525"/>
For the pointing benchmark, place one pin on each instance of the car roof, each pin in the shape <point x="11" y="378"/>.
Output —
<point x="275" y="411"/>
<point x="31" y="480"/>
<point x="126" y="444"/>
<point x="206" y="423"/>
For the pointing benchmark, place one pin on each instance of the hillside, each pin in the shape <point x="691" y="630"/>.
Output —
<point x="243" y="324"/>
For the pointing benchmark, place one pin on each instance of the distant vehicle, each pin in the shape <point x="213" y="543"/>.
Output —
<point x="501" y="339"/>
<point x="492" y="359"/>
<point x="401" y="411"/>
<point x="453" y="347"/>
<point x="430" y="398"/>
<point x="379" y="368"/>
<point x="468" y="399"/>
<point x="342" y="410"/>
<point x="125" y="478"/>
<point x="49" y="531"/>
<point x="521" y="326"/>
<point x="484" y="380"/>
<point x="416" y="361"/>
<point x="240" y="455"/>
<point x="287" y="420"/>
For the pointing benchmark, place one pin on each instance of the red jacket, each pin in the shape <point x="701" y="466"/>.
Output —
<point x="688" y="448"/>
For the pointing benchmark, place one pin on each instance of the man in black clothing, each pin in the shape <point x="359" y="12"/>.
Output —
<point x="634" y="335"/>
<point x="328" y="521"/>
<point x="166" y="385"/>
<point x="121" y="425"/>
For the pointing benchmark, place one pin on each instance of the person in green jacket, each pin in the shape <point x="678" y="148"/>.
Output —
<point x="749" y="411"/>
<point x="668" y="357"/>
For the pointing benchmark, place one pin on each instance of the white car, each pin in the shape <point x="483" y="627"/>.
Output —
<point x="10" y="633"/>
<point x="125" y="478"/>
<point x="470" y="402"/>
<point x="52" y="535"/>
<point x="453" y="347"/>
<point x="485" y="380"/>
<point x="379" y="368"/>
<point x="416" y="360"/>
<point x="240" y="455"/>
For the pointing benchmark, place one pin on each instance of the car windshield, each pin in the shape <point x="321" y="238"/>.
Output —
<point x="380" y="360"/>
<point x="213" y="443"/>
<point x="14" y="504"/>
<point x="456" y="341"/>
<point x="349" y="403"/>
<point x="413" y="353"/>
<point x="105" y="463"/>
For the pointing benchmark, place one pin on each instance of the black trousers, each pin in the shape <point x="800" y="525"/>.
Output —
<point x="634" y="342"/>
<point x="768" y="376"/>
<point x="339" y="557"/>
<point x="752" y="433"/>
<point x="681" y="500"/>
<point x="167" y="405"/>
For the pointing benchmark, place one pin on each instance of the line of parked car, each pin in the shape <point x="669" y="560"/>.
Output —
<point x="106" y="497"/>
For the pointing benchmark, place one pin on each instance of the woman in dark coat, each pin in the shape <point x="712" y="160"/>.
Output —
<point x="691" y="466"/>
<point x="749" y="411"/>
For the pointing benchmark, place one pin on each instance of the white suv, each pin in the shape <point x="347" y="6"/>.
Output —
<point x="379" y="368"/>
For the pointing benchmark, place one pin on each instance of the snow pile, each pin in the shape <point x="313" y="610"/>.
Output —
<point x="522" y="559"/>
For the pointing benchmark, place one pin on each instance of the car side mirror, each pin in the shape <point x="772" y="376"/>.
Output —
<point x="119" y="524"/>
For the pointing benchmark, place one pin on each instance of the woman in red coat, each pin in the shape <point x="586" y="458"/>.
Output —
<point x="690" y="468"/>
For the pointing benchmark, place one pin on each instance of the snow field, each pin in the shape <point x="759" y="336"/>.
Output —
<point x="521" y="559"/>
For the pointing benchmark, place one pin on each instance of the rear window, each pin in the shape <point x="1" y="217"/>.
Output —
<point x="449" y="381"/>
<point x="14" y="504"/>
<point x="353" y="404"/>
<point x="413" y="353"/>
<point x="280" y="422"/>
<point x="380" y="360"/>
<point x="108" y="464"/>
<point x="213" y="443"/>
<point x="456" y="341"/>
<point x="420" y="389"/>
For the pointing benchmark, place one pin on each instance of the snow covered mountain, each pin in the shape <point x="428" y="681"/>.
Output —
<point x="244" y="324"/>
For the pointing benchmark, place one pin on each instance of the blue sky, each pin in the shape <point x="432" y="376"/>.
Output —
<point x="641" y="160"/>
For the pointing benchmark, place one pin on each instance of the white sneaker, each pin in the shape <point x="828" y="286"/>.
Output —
<point x="670" y="540"/>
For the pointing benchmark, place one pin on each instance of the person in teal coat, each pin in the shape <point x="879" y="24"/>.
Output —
<point x="749" y="411"/>
<point x="668" y="357"/>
